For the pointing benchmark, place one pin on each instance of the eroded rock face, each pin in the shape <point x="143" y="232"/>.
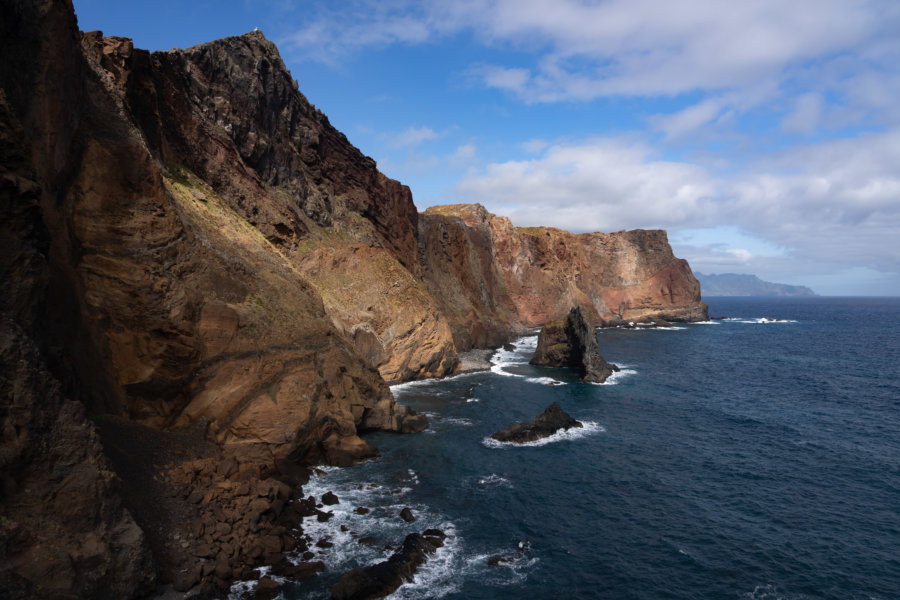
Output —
<point x="544" y="425"/>
<point x="495" y="279"/>
<point x="571" y="343"/>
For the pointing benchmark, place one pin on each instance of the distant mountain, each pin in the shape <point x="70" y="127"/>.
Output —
<point x="734" y="284"/>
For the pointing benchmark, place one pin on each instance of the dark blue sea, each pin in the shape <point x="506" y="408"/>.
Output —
<point x="741" y="458"/>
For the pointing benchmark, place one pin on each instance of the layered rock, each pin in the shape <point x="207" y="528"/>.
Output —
<point x="571" y="343"/>
<point x="544" y="425"/>
<point x="494" y="278"/>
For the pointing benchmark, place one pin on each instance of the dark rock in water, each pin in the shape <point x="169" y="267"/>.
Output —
<point x="407" y="515"/>
<point x="496" y="561"/>
<point x="571" y="343"/>
<point x="508" y="347"/>
<point x="267" y="589"/>
<point x="377" y="581"/>
<point x="323" y="517"/>
<point x="330" y="499"/>
<point x="546" y="424"/>
<point x="298" y="572"/>
<point x="367" y="540"/>
<point x="414" y="423"/>
<point x="361" y="510"/>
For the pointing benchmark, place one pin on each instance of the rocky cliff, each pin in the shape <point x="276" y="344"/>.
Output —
<point x="189" y="245"/>
<point x="493" y="278"/>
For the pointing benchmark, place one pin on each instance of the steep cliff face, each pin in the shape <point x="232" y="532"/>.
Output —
<point x="64" y="532"/>
<point x="495" y="278"/>
<point x="229" y="113"/>
<point x="174" y="263"/>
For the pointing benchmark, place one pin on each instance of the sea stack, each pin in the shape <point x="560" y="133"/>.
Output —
<point x="571" y="343"/>
<point x="544" y="425"/>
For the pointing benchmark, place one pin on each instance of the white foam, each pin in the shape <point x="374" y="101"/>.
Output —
<point x="766" y="320"/>
<point x="438" y="576"/>
<point x="474" y="400"/>
<point x="706" y="322"/>
<point x="459" y="421"/>
<point x="545" y="381"/>
<point x="574" y="433"/>
<point x="399" y="388"/>
<point x="493" y="479"/>
<point x="617" y="376"/>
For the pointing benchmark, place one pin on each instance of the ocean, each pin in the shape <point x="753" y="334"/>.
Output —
<point x="745" y="458"/>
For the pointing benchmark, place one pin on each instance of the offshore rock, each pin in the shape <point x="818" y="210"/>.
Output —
<point x="382" y="579"/>
<point x="571" y="343"/>
<point x="544" y="425"/>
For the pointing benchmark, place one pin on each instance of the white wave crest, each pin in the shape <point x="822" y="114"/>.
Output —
<point x="493" y="479"/>
<point x="766" y="320"/>
<point x="545" y="381"/>
<point x="617" y="376"/>
<point x="574" y="433"/>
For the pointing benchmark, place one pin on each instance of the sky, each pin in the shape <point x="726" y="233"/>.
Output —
<point x="763" y="135"/>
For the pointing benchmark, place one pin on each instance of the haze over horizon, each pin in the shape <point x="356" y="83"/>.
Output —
<point x="764" y="136"/>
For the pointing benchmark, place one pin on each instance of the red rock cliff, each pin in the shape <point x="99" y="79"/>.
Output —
<point x="495" y="278"/>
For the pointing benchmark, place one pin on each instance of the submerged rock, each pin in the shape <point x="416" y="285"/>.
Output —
<point x="382" y="579"/>
<point x="544" y="425"/>
<point x="571" y="343"/>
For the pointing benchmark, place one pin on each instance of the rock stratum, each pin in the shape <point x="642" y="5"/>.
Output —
<point x="187" y="244"/>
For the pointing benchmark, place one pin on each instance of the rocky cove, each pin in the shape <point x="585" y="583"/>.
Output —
<point x="206" y="290"/>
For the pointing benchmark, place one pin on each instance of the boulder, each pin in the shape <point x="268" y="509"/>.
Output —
<point x="546" y="424"/>
<point x="571" y="343"/>
<point x="407" y="515"/>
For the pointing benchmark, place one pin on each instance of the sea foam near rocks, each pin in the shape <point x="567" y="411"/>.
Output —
<point x="617" y="377"/>
<point x="574" y="433"/>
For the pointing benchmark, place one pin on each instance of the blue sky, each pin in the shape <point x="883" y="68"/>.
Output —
<point x="763" y="135"/>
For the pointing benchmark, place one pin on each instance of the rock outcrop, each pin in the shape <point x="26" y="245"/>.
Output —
<point x="544" y="425"/>
<point x="494" y="279"/>
<point x="571" y="343"/>
<point x="382" y="579"/>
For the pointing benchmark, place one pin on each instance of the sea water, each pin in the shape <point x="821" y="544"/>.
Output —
<point x="754" y="457"/>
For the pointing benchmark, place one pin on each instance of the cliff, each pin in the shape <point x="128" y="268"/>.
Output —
<point x="188" y="245"/>
<point x="493" y="278"/>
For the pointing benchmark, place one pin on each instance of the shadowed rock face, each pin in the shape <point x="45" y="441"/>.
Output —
<point x="544" y="425"/>
<point x="571" y="343"/>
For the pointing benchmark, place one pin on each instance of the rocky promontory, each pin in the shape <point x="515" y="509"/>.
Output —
<point x="572" y="343"/>
<point x="544" y="425"/>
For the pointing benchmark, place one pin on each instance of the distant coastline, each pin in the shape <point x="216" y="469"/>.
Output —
<point x="735" y="284"/>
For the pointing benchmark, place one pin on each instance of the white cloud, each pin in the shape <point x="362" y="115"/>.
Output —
<point x="836" y="204"/>
<point x="807" y="114"/>
<point x="413" y="136"/>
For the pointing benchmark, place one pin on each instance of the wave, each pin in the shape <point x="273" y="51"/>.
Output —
<point x="545" y="381"/>
<point x="765" y="320"/>
<point x="575" y="433"/>
<point x="493" y="479"/>
<point x="617" y="376"/>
